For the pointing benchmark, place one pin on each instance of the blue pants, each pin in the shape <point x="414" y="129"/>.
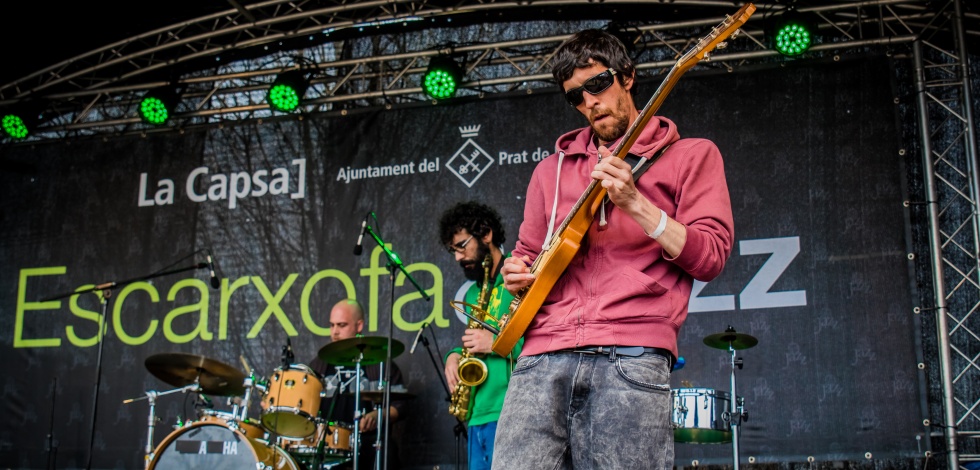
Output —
<point x="480" y="447"/>
<point x="586" y="412"/>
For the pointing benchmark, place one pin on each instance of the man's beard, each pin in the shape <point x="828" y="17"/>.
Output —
<point x="612" y="131"/>
<point x="473" y="268"/>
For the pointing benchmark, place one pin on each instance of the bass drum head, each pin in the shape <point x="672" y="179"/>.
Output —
<point x="214" y="446"/>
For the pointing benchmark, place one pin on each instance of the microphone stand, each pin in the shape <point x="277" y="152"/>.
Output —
<point x="52" y="443"/>
<point x="105" y="289"/>
<point x="393" y="262"/>
<point x="460" y="428"/>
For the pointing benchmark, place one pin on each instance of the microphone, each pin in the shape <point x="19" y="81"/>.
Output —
<point x="417" y="336"/>
<point x="215" y="282"/>
<point x="360" y="238"/>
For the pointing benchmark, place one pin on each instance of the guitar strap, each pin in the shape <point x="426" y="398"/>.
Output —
<point x="641" y="165"/>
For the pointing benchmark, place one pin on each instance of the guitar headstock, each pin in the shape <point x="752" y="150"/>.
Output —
<point x="717" y="35"/>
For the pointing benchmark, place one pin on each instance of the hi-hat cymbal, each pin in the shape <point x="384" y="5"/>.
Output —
<point x="346" y="352"/>
<point x="214" y="377"/>
<point x="730" y="338"/>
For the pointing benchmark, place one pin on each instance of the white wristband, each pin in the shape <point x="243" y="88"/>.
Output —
<point x="661" y="226"/>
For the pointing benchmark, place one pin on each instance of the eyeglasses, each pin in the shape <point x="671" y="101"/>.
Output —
<point x="458" y="247"/>
<point x="595" y="85"/>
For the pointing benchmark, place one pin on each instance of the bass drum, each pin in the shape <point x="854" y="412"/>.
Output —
<point x="215" y="446"/>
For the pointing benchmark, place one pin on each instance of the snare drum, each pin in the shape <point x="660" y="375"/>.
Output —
<point x="249" y="428"/>
<point x="215" y="446"/>
<point x="701" y="415"/>
<point x="292" y="401"/>
<point x="338" y="445"/>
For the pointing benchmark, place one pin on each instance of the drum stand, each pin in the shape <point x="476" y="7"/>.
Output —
<point x="378" y="462"/>
<point x="357" y="409"/>
<point x="737" y="412"/>
<point x="151" y="398"/>
<point x="733" y="341"/>
<point x="244" y="404"/>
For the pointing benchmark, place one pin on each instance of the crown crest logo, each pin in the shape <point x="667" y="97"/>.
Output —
<point x="469" y="131"/>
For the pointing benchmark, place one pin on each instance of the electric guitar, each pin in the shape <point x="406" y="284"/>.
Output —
<point x="567" y="240"/>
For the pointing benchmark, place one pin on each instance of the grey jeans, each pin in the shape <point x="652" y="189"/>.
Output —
<point x="584" y="411"/>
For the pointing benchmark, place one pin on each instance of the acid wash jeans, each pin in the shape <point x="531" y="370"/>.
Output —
<point x="579" y="411"/>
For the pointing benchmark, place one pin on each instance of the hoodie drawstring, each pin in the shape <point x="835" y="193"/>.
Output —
<point x="554" y="206"/>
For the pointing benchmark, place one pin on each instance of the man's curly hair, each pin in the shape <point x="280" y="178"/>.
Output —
<point x="476" y="218"/>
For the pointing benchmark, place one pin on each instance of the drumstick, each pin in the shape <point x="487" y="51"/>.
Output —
<point x="248" y="370"/>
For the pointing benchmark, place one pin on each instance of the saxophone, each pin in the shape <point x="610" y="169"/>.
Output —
<point x="472" y="370"/>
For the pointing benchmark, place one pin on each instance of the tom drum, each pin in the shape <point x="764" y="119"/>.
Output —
<point x="701" y="415"/>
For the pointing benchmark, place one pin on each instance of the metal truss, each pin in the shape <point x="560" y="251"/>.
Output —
<point x="953" y="190"/>
<point x="372" y="54"/>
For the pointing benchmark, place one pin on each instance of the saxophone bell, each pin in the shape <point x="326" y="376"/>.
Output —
<point x="472" y="370"/>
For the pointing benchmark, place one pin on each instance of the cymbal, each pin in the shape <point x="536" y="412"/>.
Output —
<point x="378" y="396"/>
<point x="214" y="377"/>
<point x="730" y="338"/>
<point x="346" y="351"/>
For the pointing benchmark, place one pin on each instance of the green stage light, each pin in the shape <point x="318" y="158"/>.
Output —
<point x="793" y="39"/>
<point x="157" y="106"/>
<point x="792" y="34"/>
<point x="287" y="91"/>
<point x="442" y="78"/>
<point x="14" y="126"/>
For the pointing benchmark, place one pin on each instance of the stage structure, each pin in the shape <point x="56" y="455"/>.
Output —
<point x="367" y="56"/>
<point x="373" y="54"/>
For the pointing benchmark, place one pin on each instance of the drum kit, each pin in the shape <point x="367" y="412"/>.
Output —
<point x="709" y="416"/>
<point x="289" y="432"/>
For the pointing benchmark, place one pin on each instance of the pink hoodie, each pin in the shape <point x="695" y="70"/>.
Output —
<point x="620" y="289"/>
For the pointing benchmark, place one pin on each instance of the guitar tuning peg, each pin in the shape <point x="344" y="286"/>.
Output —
<point x="736" y="33"/>
<point x="722" y="45"/>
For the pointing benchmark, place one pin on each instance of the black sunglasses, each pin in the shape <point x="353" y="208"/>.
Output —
<point x="595" y="85"/>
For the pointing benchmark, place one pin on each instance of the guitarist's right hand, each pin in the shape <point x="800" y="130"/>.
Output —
<point x="517" y="274"/>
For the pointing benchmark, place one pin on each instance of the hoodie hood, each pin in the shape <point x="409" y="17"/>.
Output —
<point x="658" y="133"/>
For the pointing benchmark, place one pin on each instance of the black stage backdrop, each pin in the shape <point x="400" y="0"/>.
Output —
<point x="818" y="272"/>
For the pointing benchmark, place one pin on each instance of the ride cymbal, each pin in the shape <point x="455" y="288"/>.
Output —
<point x="179" y="370"/>
<point x="730" y="338"/>
<point x="346" y="352"/>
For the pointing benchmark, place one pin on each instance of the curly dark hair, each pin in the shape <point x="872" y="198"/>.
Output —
<point x="597" y="45"/>
<point x="476" y="218"/>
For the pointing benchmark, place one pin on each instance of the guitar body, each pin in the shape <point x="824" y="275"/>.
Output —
<point x="551" y="263"/>
<point x="548" y="268"/>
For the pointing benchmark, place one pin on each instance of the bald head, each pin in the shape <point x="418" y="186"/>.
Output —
<point x="346" y="319"/>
